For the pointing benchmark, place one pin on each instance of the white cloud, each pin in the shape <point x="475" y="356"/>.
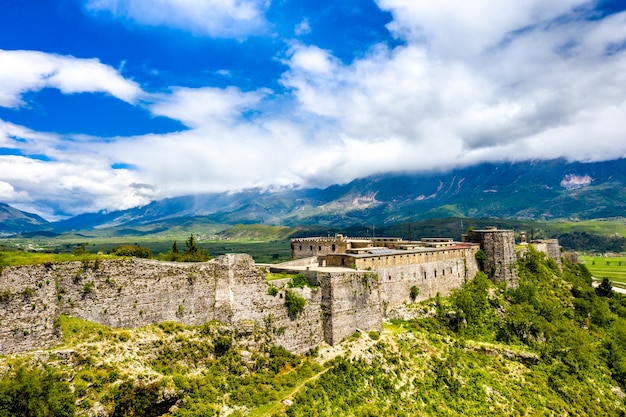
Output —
<point x="216" y="18"/>
<point x="23" y="71"/>
<point x="202" y="106"/>
<point x="303" y="28"/>
<point x="476" y="81"/>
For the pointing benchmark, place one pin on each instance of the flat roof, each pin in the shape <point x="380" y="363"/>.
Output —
<point x="389" y="252"/>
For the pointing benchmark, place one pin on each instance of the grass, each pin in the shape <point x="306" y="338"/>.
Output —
<point x="17" y="258"/>
<point x="613" y="268"/>
<point x="273" y="251"/>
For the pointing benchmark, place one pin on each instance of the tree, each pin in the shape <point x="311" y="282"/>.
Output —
<point x="605" y="289"/>
<point x="192" y="247"/>
<point x="174" y="248"/>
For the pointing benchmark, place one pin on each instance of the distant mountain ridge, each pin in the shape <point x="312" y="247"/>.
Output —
<point x="544" y="190"/>
<point x="13" y="220"/>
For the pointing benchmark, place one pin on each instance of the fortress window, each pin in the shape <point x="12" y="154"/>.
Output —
<point x="334" y="247"/>
<point x="311" y="248"/>
<point x="319" y="248"/>
<point x="435" y="273"/>
<point x="300" y="247"/>
<point x="389" y="277"/>
<point x="443" y="272"/>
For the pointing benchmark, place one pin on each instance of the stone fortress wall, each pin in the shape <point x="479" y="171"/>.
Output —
<point x="231" y="289"/>
<point x="135" y="292"/>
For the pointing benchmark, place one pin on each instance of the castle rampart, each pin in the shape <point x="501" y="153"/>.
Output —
<point x="133" y="292"/>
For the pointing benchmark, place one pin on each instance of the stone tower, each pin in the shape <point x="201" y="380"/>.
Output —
<point x="499" y="246"/>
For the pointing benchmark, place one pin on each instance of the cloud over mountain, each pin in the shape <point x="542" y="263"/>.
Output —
<point x="447" y="84"/>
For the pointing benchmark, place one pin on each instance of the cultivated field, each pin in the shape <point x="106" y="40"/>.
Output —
<point x="613" y="268"/>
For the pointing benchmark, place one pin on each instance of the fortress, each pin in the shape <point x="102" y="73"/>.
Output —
<point x="355" y="282"/>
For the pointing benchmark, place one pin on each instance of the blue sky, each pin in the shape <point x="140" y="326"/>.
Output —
<point x="109" y="104"/>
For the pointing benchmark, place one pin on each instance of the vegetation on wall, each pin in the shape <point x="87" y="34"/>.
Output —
<point x="295" y="303"/>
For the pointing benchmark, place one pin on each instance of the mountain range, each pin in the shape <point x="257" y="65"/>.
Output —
<point x="531" y="190"/>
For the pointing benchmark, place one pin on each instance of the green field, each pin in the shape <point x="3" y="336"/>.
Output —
<point x="272" y="251"/>
<point x="613" y="268"/>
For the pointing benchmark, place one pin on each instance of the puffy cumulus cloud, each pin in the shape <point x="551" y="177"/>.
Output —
<point x="65" y="177"/>
<point x="22" y="71"/>
<point x="56" y="189"/>
<point x="215" y="18"/>
<point x="201" y="106"/>
<point x="474" y="81"/>
<point x="464" y="30"/>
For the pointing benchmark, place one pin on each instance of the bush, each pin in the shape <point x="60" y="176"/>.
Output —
<point x="131" y="250"/>
<point x="415" y="291"/>
<point x="295" y="304"/>
<point x="272" y="290"/>
<point x="35" y="392"/>
<point x="298" y="281"/>
<point x="374" y="335"/>
<point x="481" y="257"/>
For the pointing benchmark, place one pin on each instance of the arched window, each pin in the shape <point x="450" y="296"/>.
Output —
<point x="334" y="247"/>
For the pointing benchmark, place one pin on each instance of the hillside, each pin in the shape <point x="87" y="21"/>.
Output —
<point x="532" y="190"/>
<point x="551" y="346"/>
<point x="13" y="220"/>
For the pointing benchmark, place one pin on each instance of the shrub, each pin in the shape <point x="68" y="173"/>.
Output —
<point x="28" y="292"/>
<point x="272" y="290"/>
<point x="131" y="250"/>
<point x="6" y="296"/>
<point x="481" y="257"/>
<point x="415" y="291"/>
<point x="374" y="335"/>
<point x="295" y="303"/>
<point x="299" y="281"/>
<point x="88" y="287"/>
<point x="35" y="392"/>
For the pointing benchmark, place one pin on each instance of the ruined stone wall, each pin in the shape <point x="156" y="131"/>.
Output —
<point x="132" y="292"/>
<point x="499" y="246"/>
<point x="350" y="301"/>
<point x="28" y="309"/>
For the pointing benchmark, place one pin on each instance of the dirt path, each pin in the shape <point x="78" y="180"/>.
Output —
<point x="289" y="396"/>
